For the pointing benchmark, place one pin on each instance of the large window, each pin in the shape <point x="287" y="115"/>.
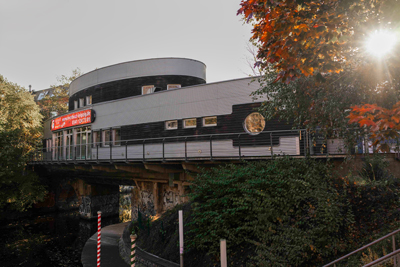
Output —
<point x="189" y="123"/>
<point x="58" y="145"/>
<point x="148" y="89"/>
<point x="48" y="145"/>
<point x="83" y="140"/>
<point x="81" y="102"/>
<point x="69" y="144"/>
<point x="76" y="104"/>
<point x="210" y="121"/>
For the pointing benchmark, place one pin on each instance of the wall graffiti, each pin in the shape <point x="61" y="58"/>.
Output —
<point x="170" y="199"/>
<point x="84" y="208"/>
<point x="147" y="202"/>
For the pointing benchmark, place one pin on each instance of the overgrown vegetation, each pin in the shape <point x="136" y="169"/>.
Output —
<point x="285" y="212"/>
<point x="20" y="132"/>
<point x="287" y="208"/>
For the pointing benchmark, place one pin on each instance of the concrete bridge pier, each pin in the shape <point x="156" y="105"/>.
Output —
<point x="97" y="197"/>
<point x="155" y="197"/>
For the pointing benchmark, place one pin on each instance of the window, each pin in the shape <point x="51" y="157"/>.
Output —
<point x="189" y="123"/>
<point x="111" y="137"/>
<point x="254" y="123"/>
<point x="81" y="102"/>
<point x="116" y="135"/>
<point x="89" y="100"/>
<point x="48" y="145"/>
<point x="58" y="145"/>
<point x="83" y="137"/>
<point x="171" y="125"/>
<point x="148" y="89"/>
<point x="96" y="138"/>
<point x="69" y="144"/>
<point x="210" y="121"/>
<point x="106" y="137"/>
<point x="76" y="104"/>
<point x="173" y="86"/>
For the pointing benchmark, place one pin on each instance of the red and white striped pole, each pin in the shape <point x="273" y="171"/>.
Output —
<point x="98" y="237"/>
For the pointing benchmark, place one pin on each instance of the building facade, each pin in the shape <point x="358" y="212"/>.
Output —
<point x="164" y="109"/>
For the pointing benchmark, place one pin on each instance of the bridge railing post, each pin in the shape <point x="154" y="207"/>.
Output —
<point x="211" y="154"/>
<point x="126" y="151"/>
<point x="163" y="149"/>
<point x="240" y="151"/>
<point x="272" y="148"/>
<point x="186" y="149"/>
<point x="97" y="153"/>
<point x="144" y="151"/>
<point x="111" y="152"/>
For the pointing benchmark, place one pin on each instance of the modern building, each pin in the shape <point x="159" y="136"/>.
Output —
<point x="163" y="109"/>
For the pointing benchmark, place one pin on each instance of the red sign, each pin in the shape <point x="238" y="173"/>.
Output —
<point x="73" y="119"/>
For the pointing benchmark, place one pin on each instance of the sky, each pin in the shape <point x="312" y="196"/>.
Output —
<point x="43" y="39"/>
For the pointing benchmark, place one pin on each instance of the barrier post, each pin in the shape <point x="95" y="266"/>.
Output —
<point x="133" y="254"/>
<point x="181" y="237"/>
<point x="224" y="262"/>
<point x="98" y="237"/>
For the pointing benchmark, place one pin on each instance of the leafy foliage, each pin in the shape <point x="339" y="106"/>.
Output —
<point x="384" y="124"/>
<point x="287" y="208"/>
<point x="298" y="39"/>
<point x="58" y="102"/>
<point x="20" y="131"/>
<point x="302" y="37"/>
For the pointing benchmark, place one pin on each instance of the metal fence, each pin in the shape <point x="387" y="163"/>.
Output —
<point x="194" y="147"/>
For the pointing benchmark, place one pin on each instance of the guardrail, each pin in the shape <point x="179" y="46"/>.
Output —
<point x="194" y="147"/>
<point x="213" y="146"/>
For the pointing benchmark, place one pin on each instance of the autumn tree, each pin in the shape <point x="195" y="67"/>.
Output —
<point x="58" y="101"/>
<point x="20" y="133"/>
<point x="322" y="65"/>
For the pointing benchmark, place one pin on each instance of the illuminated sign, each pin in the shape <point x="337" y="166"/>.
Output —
<point x="73" y="119"/>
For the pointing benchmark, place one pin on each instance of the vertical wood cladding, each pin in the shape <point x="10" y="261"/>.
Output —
<point x="231" y="123"/>
<point x="131" y="87"/>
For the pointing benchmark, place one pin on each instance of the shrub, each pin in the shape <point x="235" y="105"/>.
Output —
<point x="287" y="208"/>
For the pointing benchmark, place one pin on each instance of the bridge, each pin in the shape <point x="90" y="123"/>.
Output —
<point x="161" y="169"/>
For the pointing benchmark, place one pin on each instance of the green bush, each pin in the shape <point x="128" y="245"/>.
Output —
<point x="289" y="209"/>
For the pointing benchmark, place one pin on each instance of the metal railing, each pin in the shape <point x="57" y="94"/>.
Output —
<point x="392" y="255"/>
<point x="195" y="147"/>
<point x="236" y="145"/>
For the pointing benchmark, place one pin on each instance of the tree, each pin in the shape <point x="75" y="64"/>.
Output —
<point x="58" y="102"/>
<point x="303" y="37"/>
<point x="20" y="132"/>
<point x="317" y="48"/>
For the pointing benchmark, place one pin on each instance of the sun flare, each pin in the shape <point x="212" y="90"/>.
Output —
<point x="380" y="43"/>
